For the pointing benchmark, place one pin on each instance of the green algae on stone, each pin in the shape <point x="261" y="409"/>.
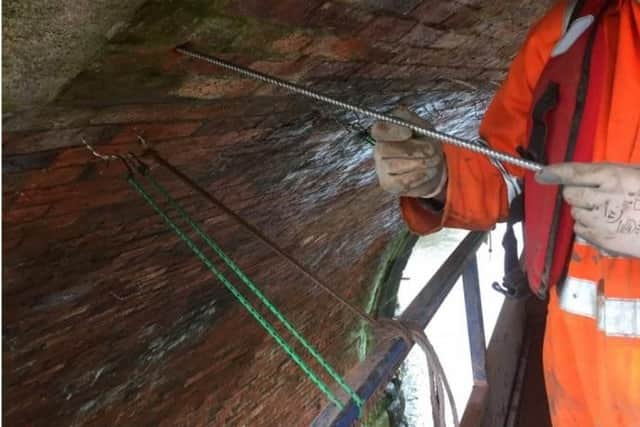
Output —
<point x="383" y="290"/>
<point x="382" y="302"/>
<point x="136" y="65"/>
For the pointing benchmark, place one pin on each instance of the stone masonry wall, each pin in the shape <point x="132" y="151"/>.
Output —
<point x="108" y="318"/>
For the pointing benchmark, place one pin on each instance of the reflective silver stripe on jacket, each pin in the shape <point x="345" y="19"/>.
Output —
<point x="578" y="27"/>
<point x="614" y="316"/>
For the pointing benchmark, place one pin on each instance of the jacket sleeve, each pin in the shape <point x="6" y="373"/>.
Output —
<point x="476" y="192"/>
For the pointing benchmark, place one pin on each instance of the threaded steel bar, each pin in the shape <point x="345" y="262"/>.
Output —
<point x="434" y="135"/>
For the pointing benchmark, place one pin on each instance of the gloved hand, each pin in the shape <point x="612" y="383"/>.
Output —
<point x="405" y="165"/>
<point x="605" y="202"/>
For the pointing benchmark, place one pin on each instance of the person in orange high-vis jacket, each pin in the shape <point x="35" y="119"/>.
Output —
<point x="587" y="129"/>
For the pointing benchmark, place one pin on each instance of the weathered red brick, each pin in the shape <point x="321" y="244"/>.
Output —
<point x="463" y="20"/>
<point x="78" y="156"/>
<point x="48" y="118"/>
<point x="179" y="63"/>
<point x="333" y="70"/>
<point x="136" y="113"/>
<point x="18" y="163"/>
<point x="174" y="59"/>
<point x="29" y="142"/>
<point x="492" y="77"/>
<point x="435" y="11"/>
<point x="422" y="36"/>
<point x="27" y="213"/>
<point x="341" y="49"/>
<point x="387" y="28"/>
<point x="203" y="87"/>
<point x="339" y="17"/>
<point x="224" y="125"/>
<point x="451" y="40"/>
<point x="155" y="131"/>
<point x="288" y="70"/>
<point x="292" y="43"/>
<point x="190" y="110"/>
<point x="285" y="69"/>
<point x="380" y="71"/>
<point x="492" y="32"/>
<point x="291" y="12"/>
<point x="435" y="57"/>
<point x="393" y="6"/>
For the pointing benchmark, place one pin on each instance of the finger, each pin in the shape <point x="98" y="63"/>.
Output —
<point x="426" y="147"/>
<point x="579" y="227"/>
<point x="421" y="189"/>
<point x="435" y="161"/>
<point x="403" y="158"/>
<point x="387" y="132"/>
<point x="404" y="113"/>
<point x="422" y="170"/>
<point x="431" y="160"/>
<point x="573" y="173"/>
<point x="581" y="197"/>
<point x="402" y="165"/>
<point x="384" y="131"/>
<point x="424" y="190"/>
<point x="603" y="206"/>
<point x="414" y="180"/>
<point x="410" y="149"/>
<point x="600" y="241"/>
<point x="391" y="150"/>
<point x="585" y="233"/>
<point x="405" y="172"/>
<point x="586" y="217"/>
<point x="430" y="188"/>
<point x="402" y="184"/>
<point x="581" y="230"/>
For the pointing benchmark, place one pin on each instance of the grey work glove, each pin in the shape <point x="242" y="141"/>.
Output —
<point x="605" y="203"/>
<point x="408" y="166"/>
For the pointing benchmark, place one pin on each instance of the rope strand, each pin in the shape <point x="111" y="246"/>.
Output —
<point x="256" y="291"/>
<point x="322" y="386"/>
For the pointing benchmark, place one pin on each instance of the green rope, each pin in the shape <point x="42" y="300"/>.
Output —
<point x="241" y="298"/>
<point x="256" y="291"/>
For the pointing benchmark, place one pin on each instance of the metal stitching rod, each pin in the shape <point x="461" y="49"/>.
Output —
<point x="476" y="147"/>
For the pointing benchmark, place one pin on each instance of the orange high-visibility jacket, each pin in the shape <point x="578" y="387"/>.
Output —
<point x="592" y="341"/>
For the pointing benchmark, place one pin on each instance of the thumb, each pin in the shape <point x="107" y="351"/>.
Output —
<point x="404" y="113"/>
<point x="383" y="131"/>
<point x="571" y="173"/>
<point x="388" y="132"/>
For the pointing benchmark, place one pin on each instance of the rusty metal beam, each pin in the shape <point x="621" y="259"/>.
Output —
<point x="385" y="359"/>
